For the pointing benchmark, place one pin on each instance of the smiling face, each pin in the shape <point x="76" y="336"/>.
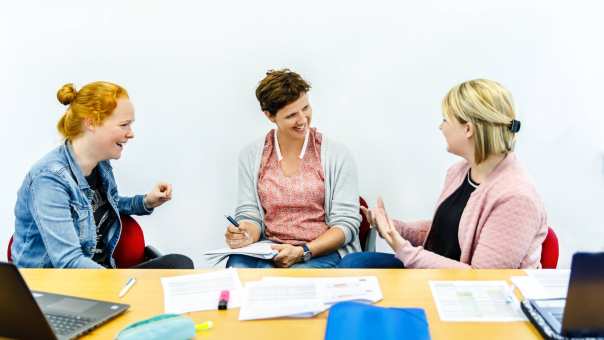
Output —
<point x="110" y="137"/>
<point x="458" y="136"/>
<point x="293" y="120"/>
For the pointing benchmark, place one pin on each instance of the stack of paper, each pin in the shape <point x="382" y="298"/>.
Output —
<point x="472" y="301"/>
<point x="261" y="250"/>
<point x="543" y="283"/>
<point x="263" y="300"/>
<point x="274" y="297"/>
<point x="188" y="293"/>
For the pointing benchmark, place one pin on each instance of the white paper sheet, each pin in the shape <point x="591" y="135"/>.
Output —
<point x="274" y="297"/>
<point x="280" y="298"/>
<point x="543" y="283"/>
<point x="347" y="288"/>
<point x="555" y="281"/>
<point x="476" y="301"/>
<point x="188" y="293"/>
<point x="260" y="250"/>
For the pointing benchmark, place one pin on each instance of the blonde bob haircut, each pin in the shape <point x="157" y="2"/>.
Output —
<point x="95" y="102"/>
<point x="489" y="107"/>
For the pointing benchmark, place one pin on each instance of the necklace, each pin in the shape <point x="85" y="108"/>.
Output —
<point x="470" y="181"/>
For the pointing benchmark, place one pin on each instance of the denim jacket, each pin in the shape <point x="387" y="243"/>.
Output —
<point x="54" y="221"/>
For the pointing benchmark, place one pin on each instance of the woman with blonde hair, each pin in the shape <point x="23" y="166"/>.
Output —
<point x="489" y="214"/>
<point x="68" y="207"/>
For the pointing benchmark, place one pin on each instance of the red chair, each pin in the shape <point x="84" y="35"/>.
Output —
<point x="9" y="255"/>
<point x="130" y="250"/>
<point x="550" y="250"/>
<point x="366" y="234"/>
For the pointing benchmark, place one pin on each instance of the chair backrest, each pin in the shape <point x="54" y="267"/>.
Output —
<point x="130" y="249"/>
<point x="366" y="235"/>
<point x="550" y="250"/>
<point x="9" y="253"/>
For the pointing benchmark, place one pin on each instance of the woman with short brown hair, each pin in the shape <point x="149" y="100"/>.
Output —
<point x="296" y="187"/>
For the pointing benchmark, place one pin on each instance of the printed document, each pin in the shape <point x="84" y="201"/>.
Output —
<point x="336" y="289"/>
<point x="188" y="293"/>
<point x="274" y="297"/>
<point x="282" y="298"/>
<point x="543" y="283"/>
<point x="476" y="301"/>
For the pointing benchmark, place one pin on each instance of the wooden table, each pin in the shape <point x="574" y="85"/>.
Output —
<point x="401" y="288"/>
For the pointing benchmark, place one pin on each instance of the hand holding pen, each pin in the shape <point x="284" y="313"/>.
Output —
<point x="241" y="234"/>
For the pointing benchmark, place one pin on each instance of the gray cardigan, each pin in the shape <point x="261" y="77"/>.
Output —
<point x="341" y="191"/>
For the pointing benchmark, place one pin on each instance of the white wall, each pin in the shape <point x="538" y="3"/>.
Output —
<point x="379" y="70"/>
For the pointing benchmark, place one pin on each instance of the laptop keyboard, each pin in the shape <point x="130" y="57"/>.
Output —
<point x="67" y="324"/>
<point x="557" y="315"/>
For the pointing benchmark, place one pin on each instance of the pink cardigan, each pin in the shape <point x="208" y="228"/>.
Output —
<point x="502" y="225"/>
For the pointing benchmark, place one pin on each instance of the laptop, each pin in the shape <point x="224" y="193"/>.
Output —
<point x="581" y="314"/>
<point x="26" y="314"/>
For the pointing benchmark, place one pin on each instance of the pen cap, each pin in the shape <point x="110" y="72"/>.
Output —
<point x="224" y="295"/>
<point x="163" y="326"/>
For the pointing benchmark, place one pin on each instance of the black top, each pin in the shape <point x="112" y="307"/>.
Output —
<point x="443" y="239"/>
<point x="104" y="217"/>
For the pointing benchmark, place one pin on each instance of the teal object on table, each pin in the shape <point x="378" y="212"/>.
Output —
<point x="163" y="326"/>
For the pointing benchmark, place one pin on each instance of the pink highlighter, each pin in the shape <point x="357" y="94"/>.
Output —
<point x="223" y="301"/>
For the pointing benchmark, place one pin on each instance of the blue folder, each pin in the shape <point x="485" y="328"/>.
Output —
<point x="354" y="320"/>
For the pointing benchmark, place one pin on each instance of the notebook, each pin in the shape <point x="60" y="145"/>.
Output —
<point x="261" y="250"/>
<point x="356" y="321"/>
<point x="26" y="314"/>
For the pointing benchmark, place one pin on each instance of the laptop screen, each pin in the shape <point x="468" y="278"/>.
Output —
<point x="583" y="313"/>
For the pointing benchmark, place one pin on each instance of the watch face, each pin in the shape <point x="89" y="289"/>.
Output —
<point x="307" y="256"/>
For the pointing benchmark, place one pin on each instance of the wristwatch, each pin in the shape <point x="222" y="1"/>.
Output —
<point x="307" y="254"/>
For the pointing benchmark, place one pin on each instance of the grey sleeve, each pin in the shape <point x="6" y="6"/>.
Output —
<point x="247" y="201"/>
<point x="344" y="212"/>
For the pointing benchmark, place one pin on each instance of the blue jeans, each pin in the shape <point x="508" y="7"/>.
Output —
<point x="370" y="260"/>
<point x="330" y="260"/>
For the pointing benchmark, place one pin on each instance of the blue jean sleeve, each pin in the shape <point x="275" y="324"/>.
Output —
<point x="133" y="205"/>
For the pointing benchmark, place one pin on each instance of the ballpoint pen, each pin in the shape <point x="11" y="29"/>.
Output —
<point x="236" y="224"/>
<point x="131" y="281"/>
<point x="232" y="220"/>
<point x="509" y="294"/>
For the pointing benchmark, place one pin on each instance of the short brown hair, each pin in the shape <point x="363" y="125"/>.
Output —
<point x="280" y="88"/>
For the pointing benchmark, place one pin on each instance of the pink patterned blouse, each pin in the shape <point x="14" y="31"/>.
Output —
<point x="294" y="206"/>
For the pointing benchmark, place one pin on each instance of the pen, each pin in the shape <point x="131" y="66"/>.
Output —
<point x="131" y="281"/>
<point x="223" y="301"/>
<point x="509" y="296"/>
<point x="232" y="220"/>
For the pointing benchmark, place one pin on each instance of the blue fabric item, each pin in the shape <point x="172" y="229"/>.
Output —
<point x="160" y="327"/>
<point x="330" y="260"/>
<point x="370" y="260"/>
<point x="54" y="222"/>
<point x="356" y="321"/>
